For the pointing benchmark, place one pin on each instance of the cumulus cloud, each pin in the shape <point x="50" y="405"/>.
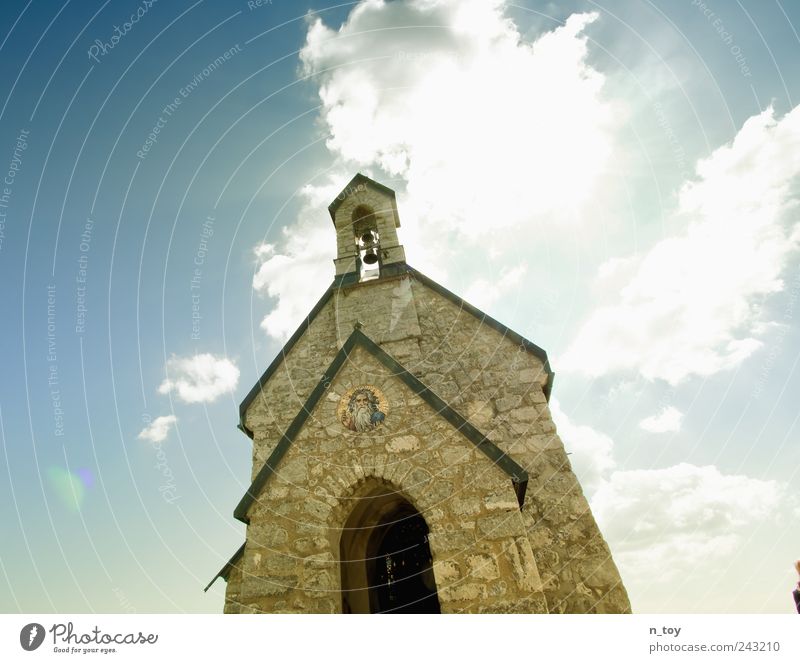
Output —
<point x="482" y="132"/>
<point x="690" y="305"/>
<point x="201" y="378"/>
<point x="591" y="452"/>
<point x="667" y="421"/>
<point x="487" y="129"/>
<point x="662" y="523"/>
<point x="482" y="292"/>
<point x="295" y="276"/>
<point x="671" y="522"/>
<point x="158" y="429"/>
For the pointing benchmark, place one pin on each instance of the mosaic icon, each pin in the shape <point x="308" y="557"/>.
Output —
<point x="362" y="408"/>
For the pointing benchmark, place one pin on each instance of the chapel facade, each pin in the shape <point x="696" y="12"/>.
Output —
<point x="404" y="456"/>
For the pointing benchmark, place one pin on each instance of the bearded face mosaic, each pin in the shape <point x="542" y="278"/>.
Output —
<point x="362" y="408"/>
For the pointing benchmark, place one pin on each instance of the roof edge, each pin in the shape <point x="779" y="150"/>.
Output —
<point x="225" y="571"/>
<point x="516" y="337"/>
<point x="273" y="366"/>
<point x="349" y="188"/>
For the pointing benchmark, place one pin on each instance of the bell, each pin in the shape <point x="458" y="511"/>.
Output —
<point x="370" y="257"/>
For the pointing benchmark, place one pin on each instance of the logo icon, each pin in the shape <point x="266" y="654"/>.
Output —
<point x="31" y="636"/>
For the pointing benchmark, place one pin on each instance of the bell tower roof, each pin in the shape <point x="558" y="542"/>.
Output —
<point x="361" y="183"/>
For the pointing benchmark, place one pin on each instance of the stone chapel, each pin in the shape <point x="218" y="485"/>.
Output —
<point x="404" y="457"/>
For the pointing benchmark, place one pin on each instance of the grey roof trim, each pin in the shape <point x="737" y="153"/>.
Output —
<point x="358" y="179"/>
<point x="225" y="571"/>
<point x="256" y="390"/>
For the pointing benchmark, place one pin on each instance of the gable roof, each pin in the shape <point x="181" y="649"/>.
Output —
<point x="520" y="340"/>
<point x="351" y="187"/>
<point x="518" y="475"/>
<point x="266" y="375"/>
<point x="488" y="320"/>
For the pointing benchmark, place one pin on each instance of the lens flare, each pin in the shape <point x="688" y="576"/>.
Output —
<point x="68" y="487"/>
<point x="86" y="476"/>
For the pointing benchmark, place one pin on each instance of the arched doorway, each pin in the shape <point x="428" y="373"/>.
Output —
<point x="385" y="557"/>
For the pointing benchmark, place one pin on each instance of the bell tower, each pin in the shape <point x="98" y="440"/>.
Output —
<point x="404" y="455"/>
<point x="366" y="221"/>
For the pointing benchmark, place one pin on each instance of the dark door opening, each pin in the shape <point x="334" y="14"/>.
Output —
<point x="386" y="562"/>
<point x="401" y="574"/>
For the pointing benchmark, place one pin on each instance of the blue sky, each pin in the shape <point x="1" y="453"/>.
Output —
<point x="617" y="181"/>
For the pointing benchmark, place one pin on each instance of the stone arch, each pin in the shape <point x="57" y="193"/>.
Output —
<point x="385" y="558"/>
<point x="363" y="218"/>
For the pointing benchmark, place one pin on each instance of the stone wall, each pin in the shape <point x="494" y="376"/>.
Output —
<point x="233" y="591"/>
<point x="492" y="381"/>
<point x="482" y="558"/>
<point x="499" y="387"/>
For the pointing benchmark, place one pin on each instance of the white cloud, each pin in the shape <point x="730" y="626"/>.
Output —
<point x="296" y="276"/>
<point x="667" y="421"/>
<point x="591" y="452"/>
<point x="492" y="134"/>
<point x="484" y="292"/>
<point x="668" y="523"/>
<point x="201" y="378"/>
<point x="664" y="523"/>
<point x="158" y="429"/>
<point x="690" y="305"/>
<point x="487" y="129"/>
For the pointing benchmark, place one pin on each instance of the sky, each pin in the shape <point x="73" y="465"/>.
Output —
<point x="617" y="181"/>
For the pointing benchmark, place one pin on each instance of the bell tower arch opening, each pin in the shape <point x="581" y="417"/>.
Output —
<point x="367" y="239"/>
<point x="385" y="557"/>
